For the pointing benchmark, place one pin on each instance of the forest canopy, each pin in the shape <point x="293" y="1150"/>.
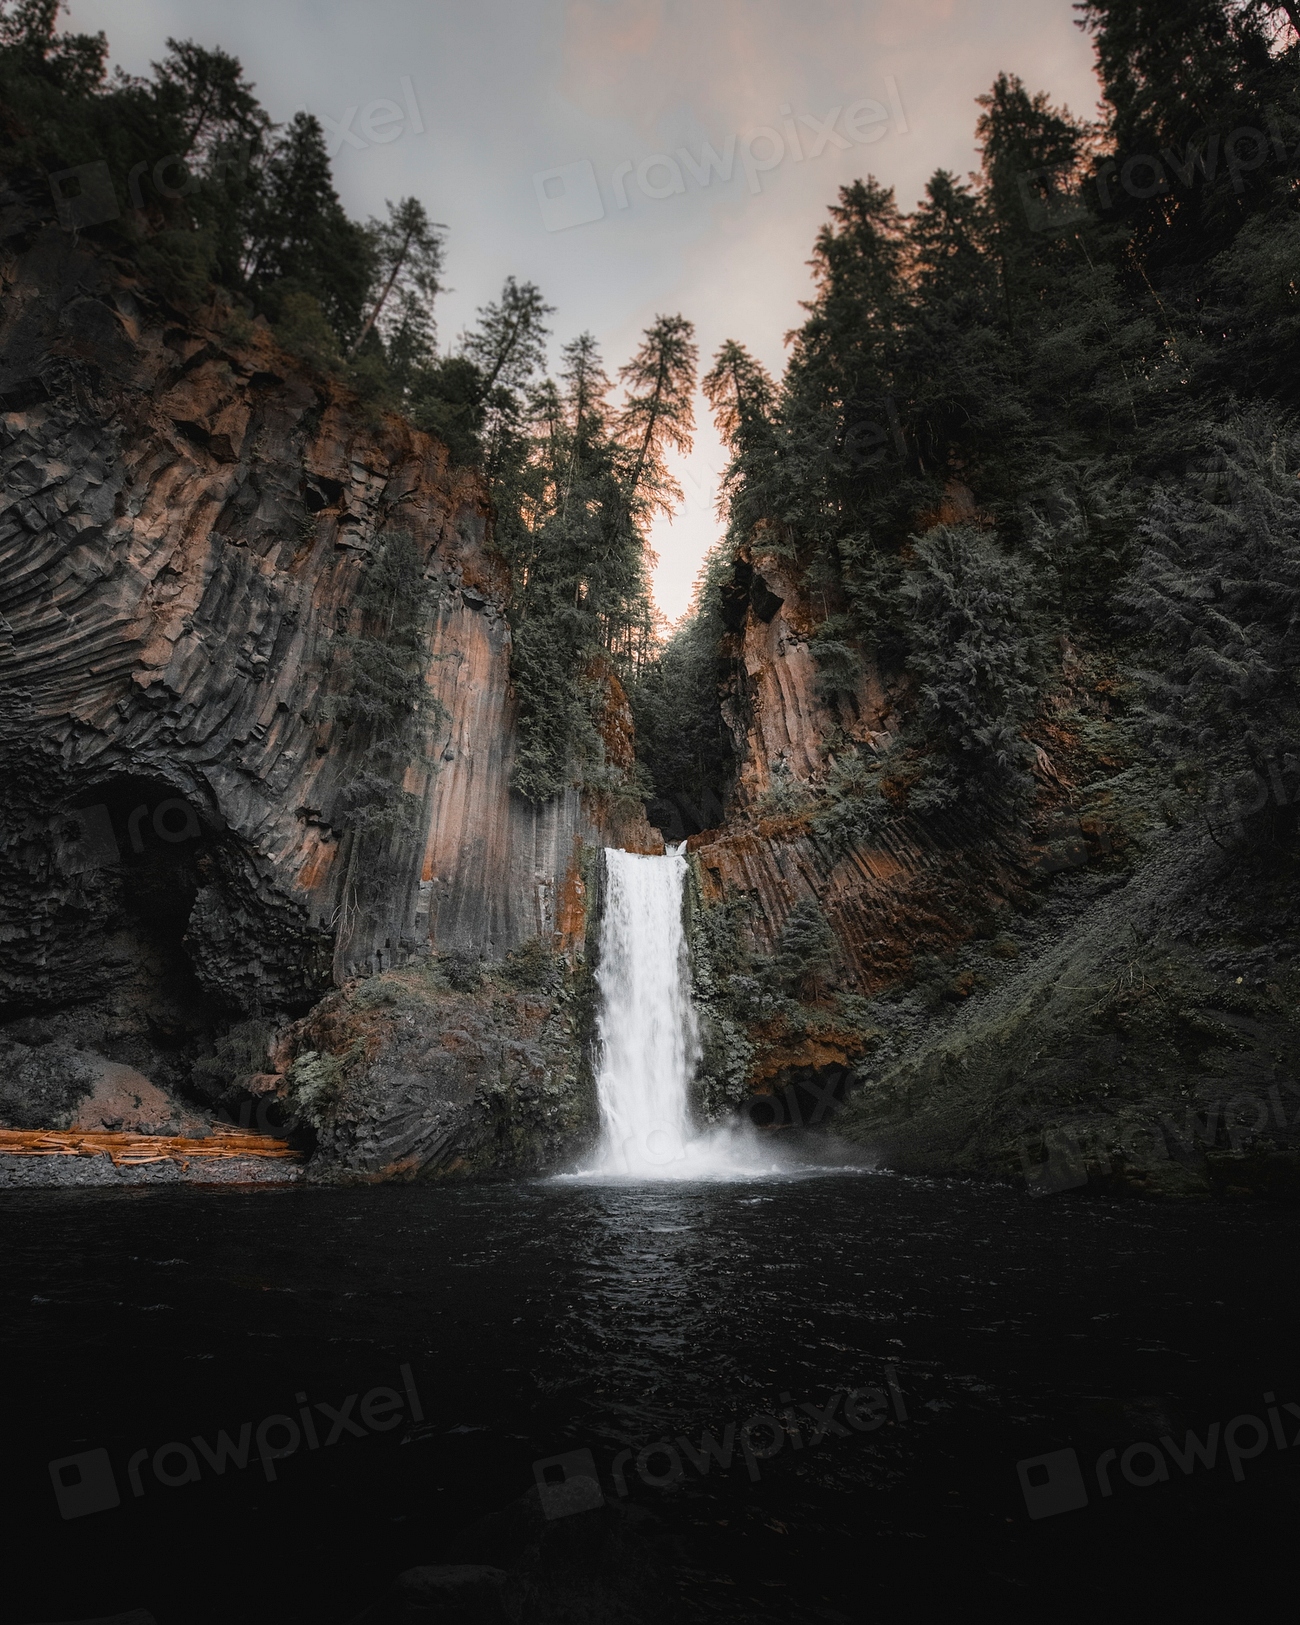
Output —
<point x="1050" y="408"/>
<point x="185" y="174"/>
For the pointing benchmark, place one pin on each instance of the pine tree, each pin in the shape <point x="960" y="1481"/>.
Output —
<point x="1181" y="83"/>
<point x="658" y="411"/>
<point x="805" y="948"/>
<point x="299" y="239"/>
<point x="407" y="251"/>
<point x="213" y="102"/>
<point x="507" y="347"/>
<point x="742" y="398"/>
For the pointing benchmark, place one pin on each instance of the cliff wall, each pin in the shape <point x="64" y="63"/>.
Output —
<point x="916" y="887"/>
<point x="187" y="517"/>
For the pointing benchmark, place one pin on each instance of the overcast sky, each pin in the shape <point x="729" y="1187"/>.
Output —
<point x="471" y="104"/>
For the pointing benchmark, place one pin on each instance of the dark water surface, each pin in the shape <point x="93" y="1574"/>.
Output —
<point x="547" y="1318"/>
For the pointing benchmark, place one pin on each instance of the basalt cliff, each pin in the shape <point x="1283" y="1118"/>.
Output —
<point x="188" y="512"/>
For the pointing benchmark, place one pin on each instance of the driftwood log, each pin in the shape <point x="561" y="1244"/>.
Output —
<point x="130" y="1149"/>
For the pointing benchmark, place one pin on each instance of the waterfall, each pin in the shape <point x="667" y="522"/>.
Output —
<point x="646" y="1028"/>
<point x="648" y="1039"/>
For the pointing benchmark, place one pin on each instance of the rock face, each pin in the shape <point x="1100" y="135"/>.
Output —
<point x="1145" y="1039"/>
<point x="915" y="888"/>
<point x="188" y="515"/>
<point x="404" y="1077"/>
<point x="781" y="723"/>
<point x="1092" y="999"/>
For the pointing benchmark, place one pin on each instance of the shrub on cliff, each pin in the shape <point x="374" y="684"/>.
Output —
<point x="967" y="606"/>
<point x="727" y="996"/>
<point x="805" y="951"/>
<point x="533" y="967"/>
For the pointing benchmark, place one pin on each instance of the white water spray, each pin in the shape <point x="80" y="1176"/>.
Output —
<point x="648" y="1038"/>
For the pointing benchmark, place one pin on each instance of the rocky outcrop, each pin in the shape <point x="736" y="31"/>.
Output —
<point x="915" y="888"/>
<point x="782" y="722"/>
<point x="401" y="1076"/>
<point x="188" y="515"/>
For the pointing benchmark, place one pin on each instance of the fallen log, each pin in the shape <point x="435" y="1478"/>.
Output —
<point x="128" y="1150"/>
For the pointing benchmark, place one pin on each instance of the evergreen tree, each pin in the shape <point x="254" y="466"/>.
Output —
<point x="658" y="411"/>
<point x="407" y="251"/>
<point x="968" y="607"/>
<point x="742" y="398"/>
<point x="70" y="64"/>
<point x="805" y="949"/>
<point x="1185" y="85"/>
<point x="741" y="395"/>
<point x="299" y="240"/>
<point x="213" y="103"/>
<point x="1217" y="593"/>
<point x="507" y="347"/>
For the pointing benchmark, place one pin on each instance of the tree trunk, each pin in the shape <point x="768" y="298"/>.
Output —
<point x="379" y="303"/>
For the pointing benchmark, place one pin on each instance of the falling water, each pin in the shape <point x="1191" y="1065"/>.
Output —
<point x="647" y="1031"/>
<point x="648" y="1037"/>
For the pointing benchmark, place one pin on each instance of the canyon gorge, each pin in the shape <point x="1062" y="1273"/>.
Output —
<point x="201" y="928"/>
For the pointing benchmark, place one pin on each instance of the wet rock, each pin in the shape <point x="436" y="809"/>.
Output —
<point x="42" y="1087"/>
